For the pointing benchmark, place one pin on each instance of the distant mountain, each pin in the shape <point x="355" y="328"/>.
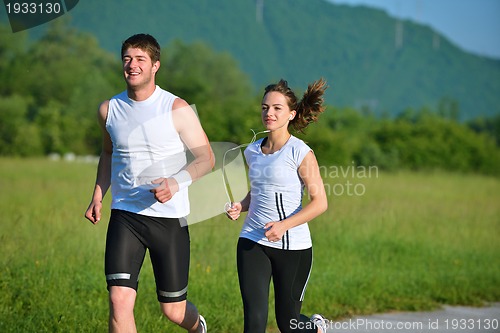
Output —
<point x="369" y="58"/>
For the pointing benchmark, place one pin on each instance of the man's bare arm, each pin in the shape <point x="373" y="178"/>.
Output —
<point x="103" y="178"/>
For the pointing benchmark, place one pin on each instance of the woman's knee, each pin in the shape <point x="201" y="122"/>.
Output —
<point x="256" y="321"/>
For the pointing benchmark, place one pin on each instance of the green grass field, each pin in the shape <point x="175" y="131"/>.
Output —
<point x="404" y="241"/>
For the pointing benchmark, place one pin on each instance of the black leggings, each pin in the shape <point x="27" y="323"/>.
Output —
<point x="290" y="272"/>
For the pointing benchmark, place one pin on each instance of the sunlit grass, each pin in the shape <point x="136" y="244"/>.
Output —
<point x="411" y="241"/>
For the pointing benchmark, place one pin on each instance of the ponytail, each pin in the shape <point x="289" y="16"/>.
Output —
<point x="308" y="108"/>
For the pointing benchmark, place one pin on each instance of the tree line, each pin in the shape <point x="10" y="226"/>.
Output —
<point x="50" y="89"/>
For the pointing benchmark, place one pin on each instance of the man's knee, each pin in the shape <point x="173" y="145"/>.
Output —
<point x="122" y="298"/>
<point x="175" y="312"/>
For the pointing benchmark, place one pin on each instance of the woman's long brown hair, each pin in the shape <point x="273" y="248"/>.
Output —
<point x="308" y="108"/>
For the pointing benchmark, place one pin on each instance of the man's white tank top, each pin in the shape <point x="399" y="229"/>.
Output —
<point x="276" y="191"/>
<point x="146" y="146"/>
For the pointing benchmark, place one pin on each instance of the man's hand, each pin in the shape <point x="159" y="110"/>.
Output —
<point x="165" y="190"/>
<point x="93" y="213"/>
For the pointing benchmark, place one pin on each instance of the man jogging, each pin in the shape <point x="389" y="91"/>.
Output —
<point x="146" y="131"/>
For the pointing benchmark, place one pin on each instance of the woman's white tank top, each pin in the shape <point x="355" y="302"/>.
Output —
<point x="276" y="191"/>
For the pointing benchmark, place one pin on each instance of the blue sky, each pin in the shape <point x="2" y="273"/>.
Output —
<point x="473" y="25"/>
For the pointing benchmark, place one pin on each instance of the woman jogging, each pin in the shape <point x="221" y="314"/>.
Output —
<point x="275" y="241"/>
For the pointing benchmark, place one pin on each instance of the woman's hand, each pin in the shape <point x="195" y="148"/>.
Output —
<point x="275" y="231"/>
<point x="233" y="210"/>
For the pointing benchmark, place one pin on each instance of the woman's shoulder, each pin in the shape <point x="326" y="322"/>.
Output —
<point x="298" y="149"/>
<point x="253" y="147"/>
<point x="298" y="143"/>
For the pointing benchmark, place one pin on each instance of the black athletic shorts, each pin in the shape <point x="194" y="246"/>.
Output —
<point x="167" y="239"/>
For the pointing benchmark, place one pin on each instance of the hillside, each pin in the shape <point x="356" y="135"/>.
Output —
<point x="354" y="48"/>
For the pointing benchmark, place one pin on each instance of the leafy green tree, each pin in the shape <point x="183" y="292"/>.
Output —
<point x="449" y="108"/>
<point x="11" y="47"/>
<point x="50" y="90"/>
<point x="18" y="137"/>
<point x="49" y="120"/>
<point x="83" y="132"/>
<point x="430" y="141"/>
<point x="489" y="126"/>
<point x="59" y="61"/>
<point x="340" y="134"/>
<point x="66" y="75"/>
<point x="213" y="82"/>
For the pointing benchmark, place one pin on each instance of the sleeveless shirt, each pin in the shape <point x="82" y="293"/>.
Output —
<point x="276" y="191"/>
<point x="146" y="146"/>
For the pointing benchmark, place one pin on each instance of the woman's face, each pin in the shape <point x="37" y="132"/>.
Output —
<point x="275" y="111"/>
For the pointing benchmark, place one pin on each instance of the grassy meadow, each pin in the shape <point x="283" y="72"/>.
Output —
<point x="389" y="241"/>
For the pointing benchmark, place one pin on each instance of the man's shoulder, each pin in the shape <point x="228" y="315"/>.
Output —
<point x="122" y="96"/>
<point x="179" y="103"/>
<point x="160" y="90"/>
